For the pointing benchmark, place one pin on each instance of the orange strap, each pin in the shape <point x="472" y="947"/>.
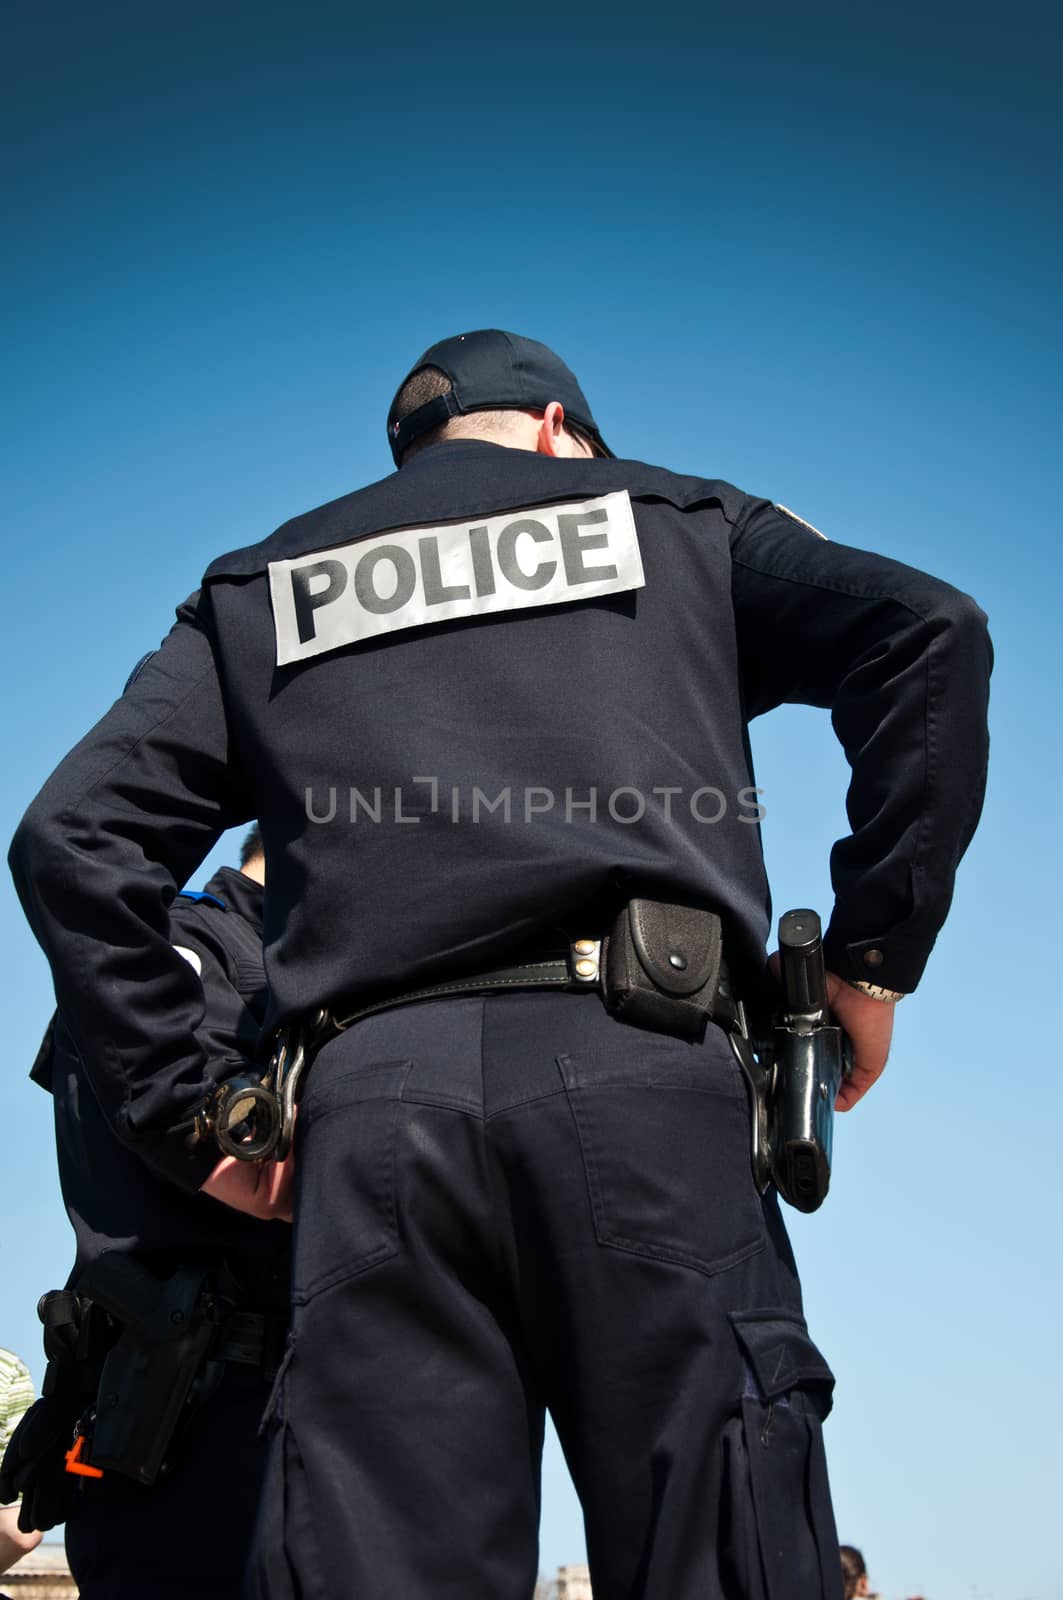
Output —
<point x="74" y="1463"/>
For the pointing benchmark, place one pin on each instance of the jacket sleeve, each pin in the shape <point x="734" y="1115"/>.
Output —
<point x="233" y="1010"/>
<point x="97" y="859"/>
<point x="902" y="660"/>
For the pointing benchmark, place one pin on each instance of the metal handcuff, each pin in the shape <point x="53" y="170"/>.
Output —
<point x="253" y="1118"/>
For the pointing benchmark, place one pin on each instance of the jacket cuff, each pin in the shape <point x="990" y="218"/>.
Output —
<point x="890" y="960"/>
<point x="171" y="1154"/>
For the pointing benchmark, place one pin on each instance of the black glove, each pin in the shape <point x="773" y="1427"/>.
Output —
<point x="34" y="1463"/>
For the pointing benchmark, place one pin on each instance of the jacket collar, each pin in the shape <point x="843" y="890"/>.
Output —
<point x="239" y="893"/>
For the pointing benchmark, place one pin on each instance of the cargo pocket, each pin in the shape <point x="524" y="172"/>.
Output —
<point x="778" y="1539"/>
<point x="345" y="1176"/>
<point x="666" y="1151"/>
<point x="285" y="1562"/>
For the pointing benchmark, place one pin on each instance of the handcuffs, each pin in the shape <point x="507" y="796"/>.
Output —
<point x="253" y="1118"/>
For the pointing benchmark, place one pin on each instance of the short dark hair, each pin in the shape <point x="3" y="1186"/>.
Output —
<point x="431" y="383"/>
<point x="853" y="1569"/>
<point x="427" y="383"/>
<point x="252" y="845"/>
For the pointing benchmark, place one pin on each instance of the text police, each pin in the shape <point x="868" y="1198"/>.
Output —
<point x="545" y="556"/>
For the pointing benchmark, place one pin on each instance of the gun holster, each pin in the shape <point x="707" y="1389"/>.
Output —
<point x="794" y="1070"/>
<point x="662" y="967"/>
<point x="129" y="1357"/>
<point x="810" y="1071"/>
<point x="147" y="1377"/>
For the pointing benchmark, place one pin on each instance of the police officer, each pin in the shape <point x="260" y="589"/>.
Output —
<point x="483" y="708"/>
<point x="188" y="1532"/>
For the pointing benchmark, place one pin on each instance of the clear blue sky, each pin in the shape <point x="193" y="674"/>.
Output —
<point x="813" y="249"/>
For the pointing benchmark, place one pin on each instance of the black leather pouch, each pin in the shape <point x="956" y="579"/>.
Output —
<point x="662" y="967"/>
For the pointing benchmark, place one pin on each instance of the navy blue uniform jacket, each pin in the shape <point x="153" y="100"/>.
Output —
<point x="743" y="608"/>
<point x="114" y="1200"/>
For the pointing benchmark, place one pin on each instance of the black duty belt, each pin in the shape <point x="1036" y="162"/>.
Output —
<point x="575" y="968"/>
<point x="659" y="966"/>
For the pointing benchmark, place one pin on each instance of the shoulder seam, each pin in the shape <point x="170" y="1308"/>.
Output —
<point x="834" y="588"/>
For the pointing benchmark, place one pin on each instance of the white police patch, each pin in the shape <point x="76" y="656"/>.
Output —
<point x="542" y="556"/>
<point x="801" y="523"/>
<point x="191" y="957"/>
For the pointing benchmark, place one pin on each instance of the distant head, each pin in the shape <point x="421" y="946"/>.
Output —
<point x="854" y="1572"/>
<point x="253" y="855"/>
<point x="494" y="386"/>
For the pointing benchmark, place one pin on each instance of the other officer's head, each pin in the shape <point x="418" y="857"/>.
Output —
<point x="854" y="1573"/>
<point x="253" y="855"/>
<point x="496" y="386"/>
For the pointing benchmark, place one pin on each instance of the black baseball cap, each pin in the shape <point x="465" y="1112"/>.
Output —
<point x="492" y="371"/>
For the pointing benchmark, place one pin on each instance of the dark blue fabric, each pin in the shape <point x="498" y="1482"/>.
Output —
<point x="190" y="1531"/>
<point x="114" y="1200"/>
<point x="648" y="692"/>
<point x="518" y="1202"/>
<point x="514" y="1203"/>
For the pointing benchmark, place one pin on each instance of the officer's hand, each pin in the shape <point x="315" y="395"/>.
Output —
<point x="260" y="1188"/>
<point x="869" y="1024"/>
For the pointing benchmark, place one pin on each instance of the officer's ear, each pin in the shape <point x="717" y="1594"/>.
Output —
<point x="551" y="439"/>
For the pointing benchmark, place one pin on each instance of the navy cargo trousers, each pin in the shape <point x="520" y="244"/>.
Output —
<point x="516" y="1202"/>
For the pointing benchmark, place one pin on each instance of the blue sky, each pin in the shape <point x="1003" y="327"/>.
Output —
<point x="813" y="250"/>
